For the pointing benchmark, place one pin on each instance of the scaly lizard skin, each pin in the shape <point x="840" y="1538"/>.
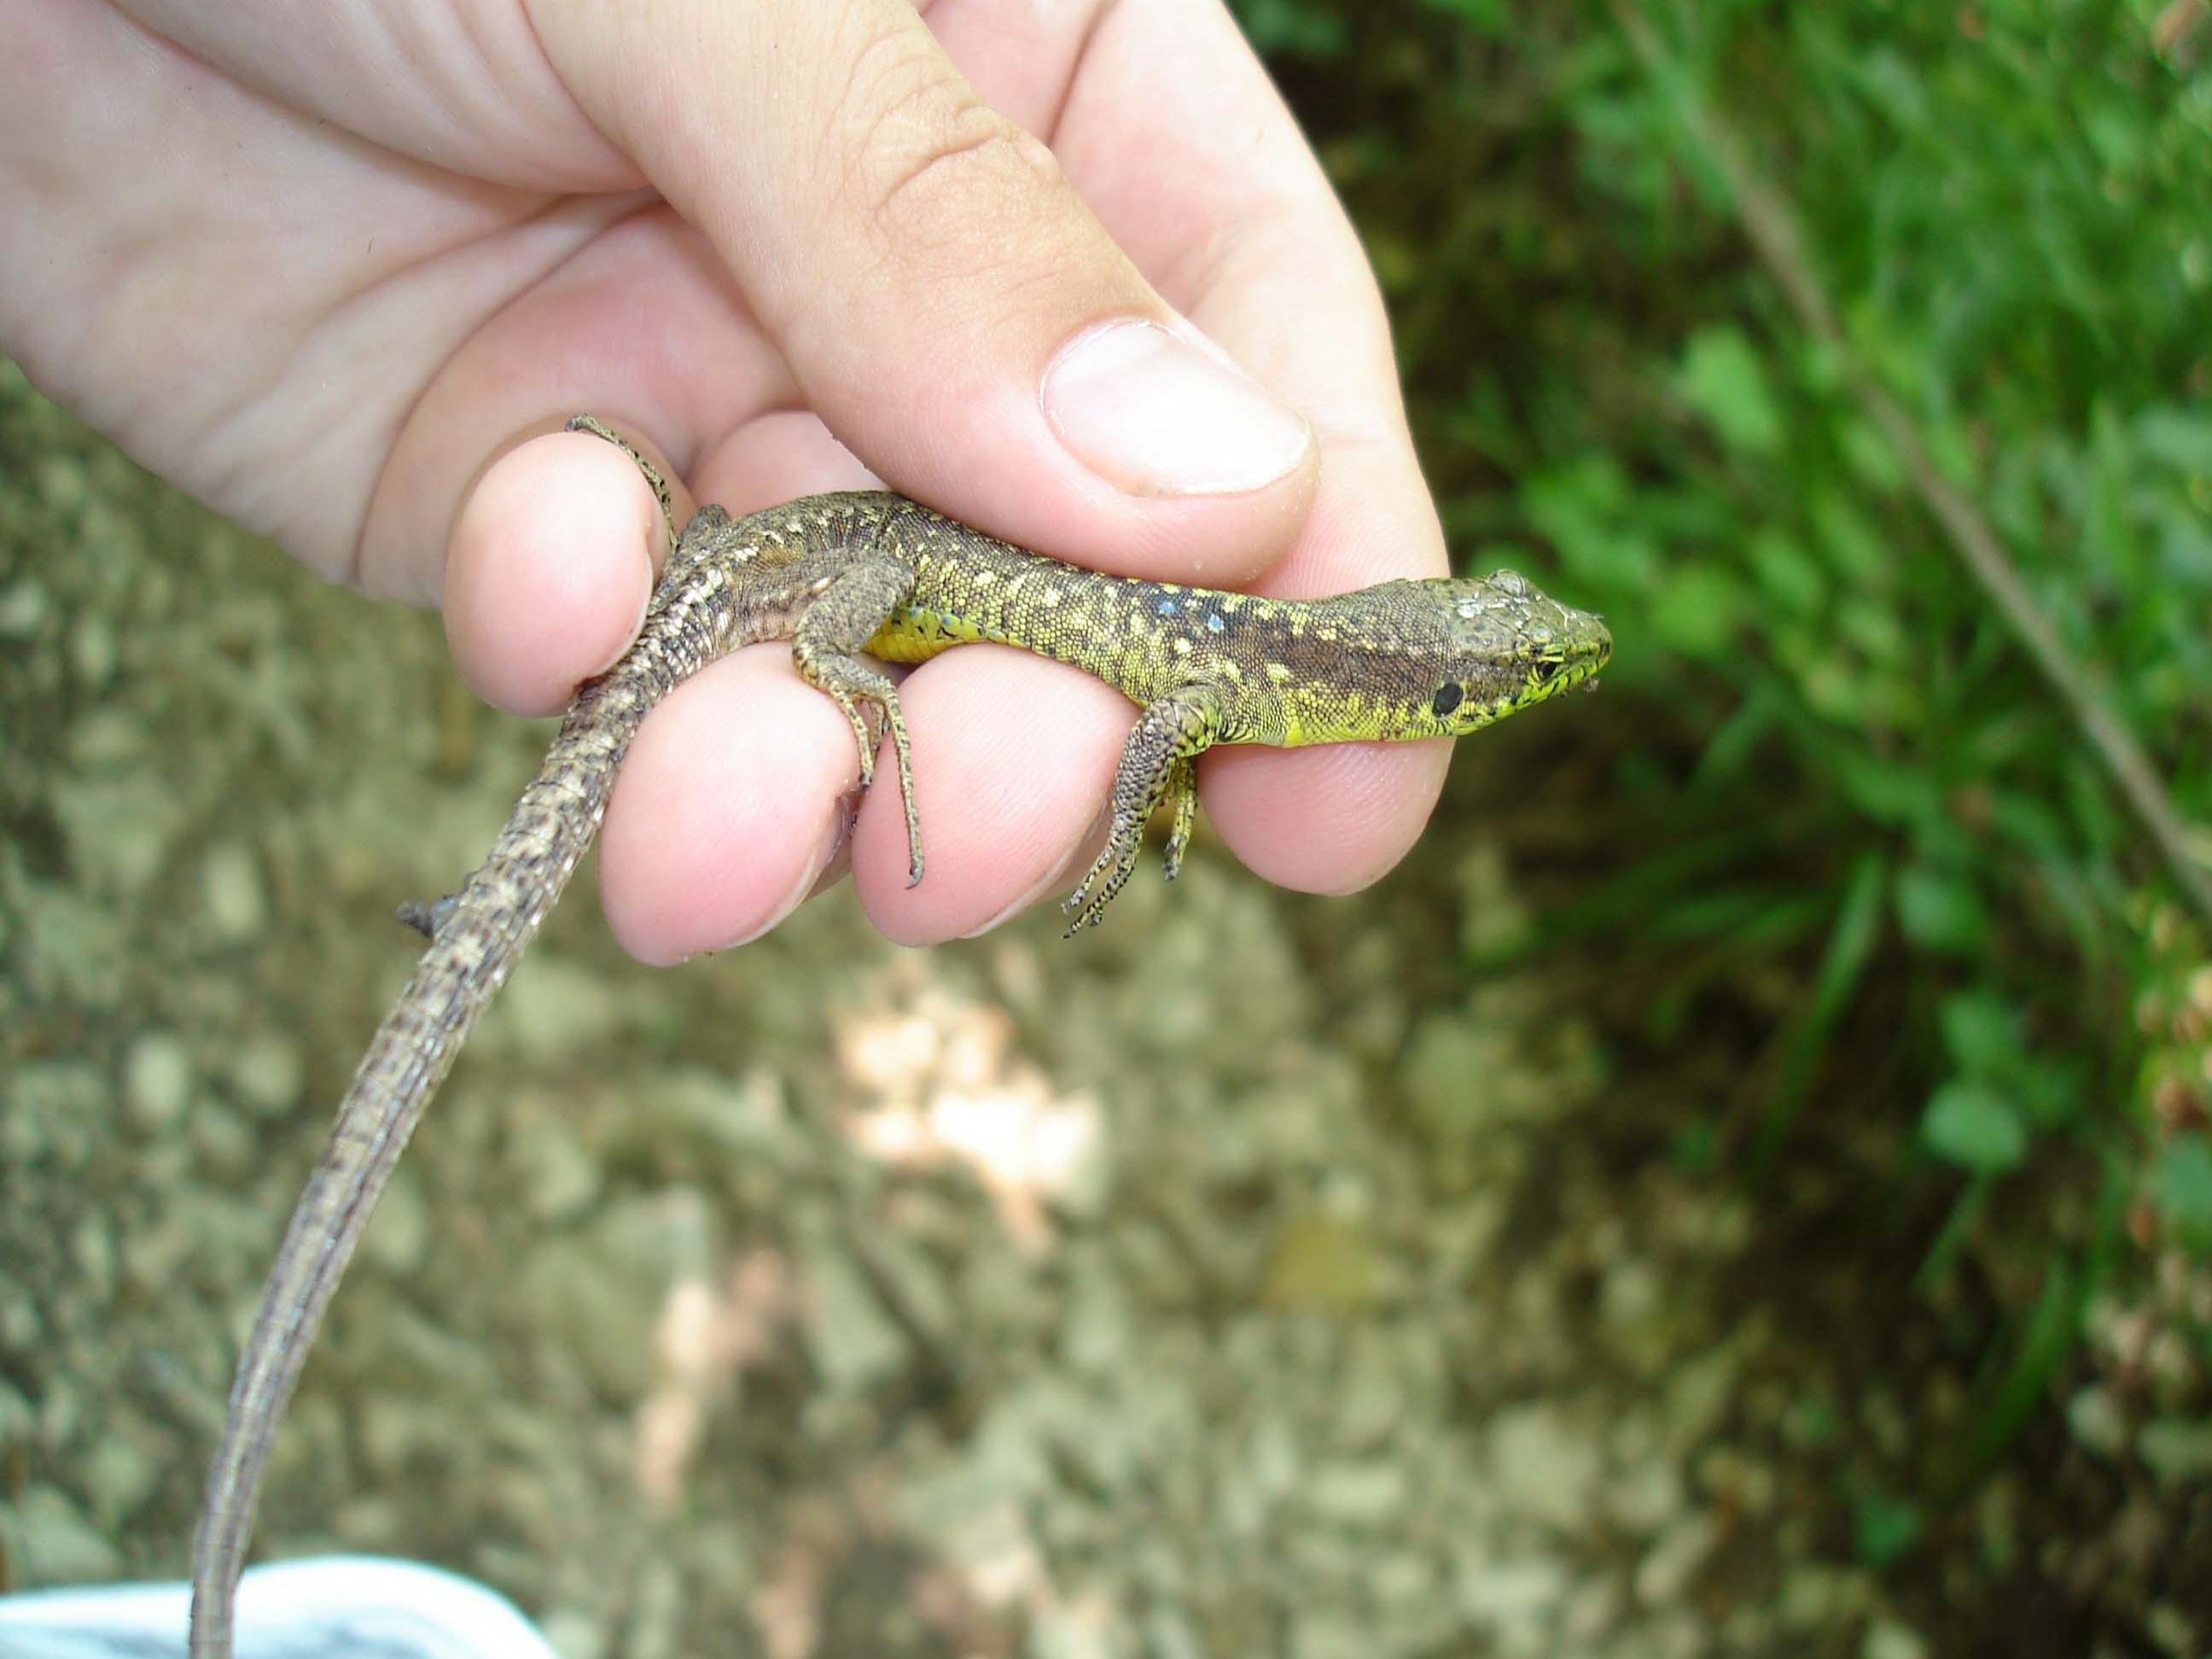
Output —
<point x="846" y="578"/>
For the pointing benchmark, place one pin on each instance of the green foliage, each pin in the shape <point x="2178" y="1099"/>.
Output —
<point x="1885" y="1527"/>
<point x="1974" y="1127"/>
<point x="1832" y="765"/>
<point x="2181" y="1187"/>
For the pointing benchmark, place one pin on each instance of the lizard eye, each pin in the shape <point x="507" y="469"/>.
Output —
<point x="1448" y="696"/>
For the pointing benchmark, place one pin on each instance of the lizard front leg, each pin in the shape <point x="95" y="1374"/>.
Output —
<point x="825" y="646"/>
<point x="1156" y="767"/>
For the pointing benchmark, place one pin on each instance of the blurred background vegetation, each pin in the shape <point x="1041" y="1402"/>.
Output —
<point x="1716" y="315"/>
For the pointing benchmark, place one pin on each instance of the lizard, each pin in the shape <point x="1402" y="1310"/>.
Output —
<point x="853" y="580"/>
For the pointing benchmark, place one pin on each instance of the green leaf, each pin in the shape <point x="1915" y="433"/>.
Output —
<point x="1868" y="452"/>
<point x="1723" y="379"/>
<point x="1856" y="547"/>
<point x="1873" y="628"/>
<point x="2181" y="1187"/>
<point x="1940" y="911"/>
<point x="1697" y="610"/>
<point x="1981" y="1031"/>
<point x="1487" y="17"/>
<point x="1582" y="509"/>
<point x="1299" y="29"/>
<point x="1790" y="575"/>
<point x="1897" y="795"/>
<point x="1884" y="1528"/>
<point x="1974" y="1127"/>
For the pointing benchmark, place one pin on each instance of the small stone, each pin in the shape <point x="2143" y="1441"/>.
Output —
<point x="23" y="608"/>
<point x="157" y="1081"/>
<point x="17" y="1420"/>
<point x="1669" y="1565"/>
<point x="600" y="1290"/>
<point x="1646" y="1495"/>
<point x="119" y="1478"/>
<point x="1367" y="1494"/>
<point x="1330" y="1636"/>
<point x="269" y="1074"/>
<point x="371" y="1521"/>
<point x="231" y="886"/>
<point x="51" y="1112"/>
<point x="2097" y="1422"/>
<point x="2178" y="1449"/>
<point x="107" y="739"/>
<point x="2174" y="1631"/>
<point x="399" y="1236"/>
<point x="1098" y="1335"/>
<point x="1082" y="1628"/>
<point x="656" y="1619"/>
<point x="393" y="1431"/>
<point x="92" y="651"/>
<point x="92" y="1250"/>
<point x="1737" y="1478"/>
<point x="575" y="1633"/>
<point x="853" y="1340"/>
<point x="1887" y="1639"/>
<point x="226" y="1143"/>
<point x="1324" y="1264"/>
<point x="560" y="1178"/>
<point x="554" y="1010"/>
<point x="1511" y="1594"/>
<point x="1634" y="1315"/>
<point x="1699" y="1394"/>
<point x="1402" y="1580"/>
<point x="1816" y="1596"/>
<point x="1494" y="920"/>
<point x="1445" y="1075"/>
<point x="1542" y="1468"/>
<point x="1168" y="1634"/>
<point x="49" y="1542"/>
<point x="121" y="828"/>
<point x="1592" y="1609"/>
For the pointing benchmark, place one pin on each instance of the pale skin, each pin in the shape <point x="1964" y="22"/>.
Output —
<point x="340" y="274"/>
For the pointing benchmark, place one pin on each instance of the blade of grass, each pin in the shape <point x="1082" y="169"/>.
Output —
<point x="1850" y="947"/>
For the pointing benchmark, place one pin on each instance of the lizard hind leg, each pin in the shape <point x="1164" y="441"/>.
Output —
<point x="1182" y="802"/>
<point x="1156" y="764"/>
<point x="825" y="648"/>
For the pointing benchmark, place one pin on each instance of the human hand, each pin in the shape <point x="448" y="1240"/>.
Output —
<point x="339" y="274"/>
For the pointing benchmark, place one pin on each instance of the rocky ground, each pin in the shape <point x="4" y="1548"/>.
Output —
<point x="823" y="1299"/>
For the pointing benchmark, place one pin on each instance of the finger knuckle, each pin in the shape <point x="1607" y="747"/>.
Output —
<point x="935" y="166"/>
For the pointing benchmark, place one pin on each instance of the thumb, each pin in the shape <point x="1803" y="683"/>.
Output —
<point x="946" y="302"/>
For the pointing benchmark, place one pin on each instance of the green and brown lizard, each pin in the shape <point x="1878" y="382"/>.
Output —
<point x="853" y="580"/>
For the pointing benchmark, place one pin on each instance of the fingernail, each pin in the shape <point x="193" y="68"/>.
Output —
<point x="1155" y="414"/>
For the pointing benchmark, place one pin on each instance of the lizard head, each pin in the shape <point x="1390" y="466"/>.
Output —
<point x="1506" y="646"/>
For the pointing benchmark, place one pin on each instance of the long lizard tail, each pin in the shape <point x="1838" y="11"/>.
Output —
<point x="476" y="944"/>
